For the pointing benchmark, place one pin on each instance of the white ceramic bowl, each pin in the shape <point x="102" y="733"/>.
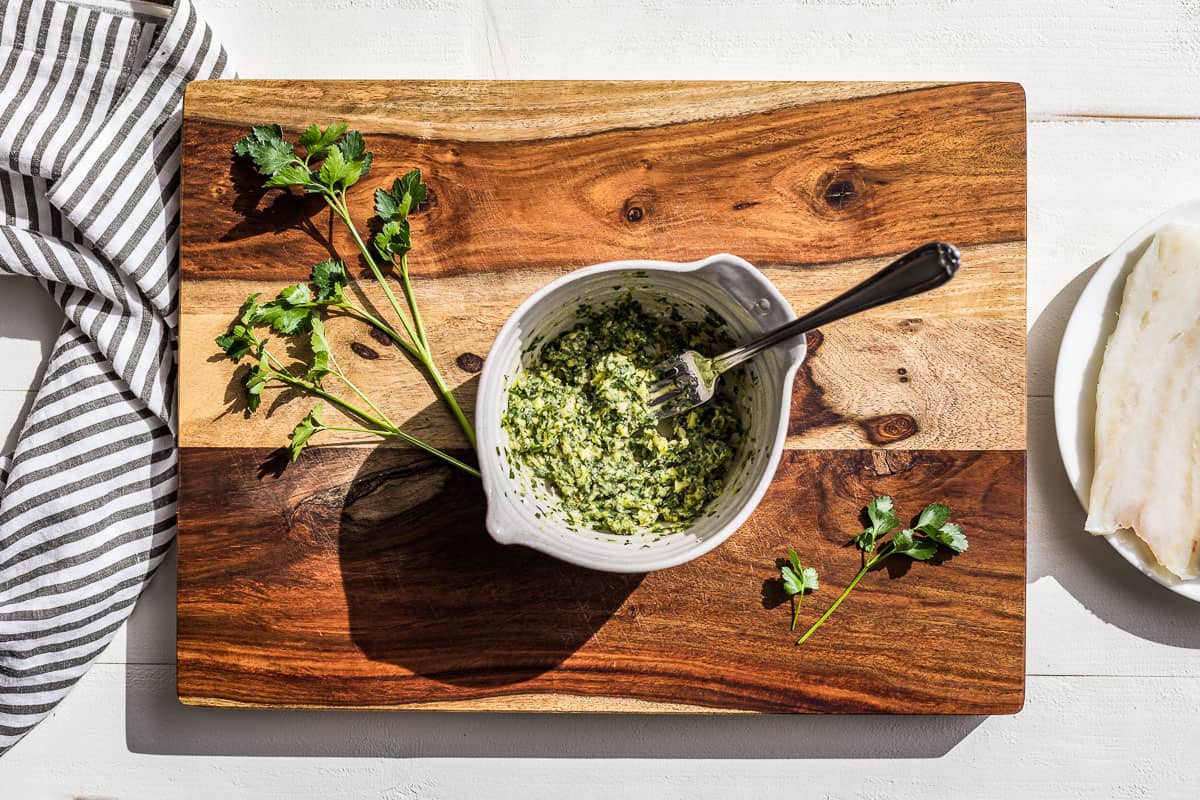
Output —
<point x="749" y="304"/>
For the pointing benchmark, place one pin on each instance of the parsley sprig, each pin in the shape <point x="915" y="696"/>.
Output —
<point x="797" y="579"/>
<point x="933" y="531"/>
<point x="268" y="371"/>
<point x="333" y="160"/>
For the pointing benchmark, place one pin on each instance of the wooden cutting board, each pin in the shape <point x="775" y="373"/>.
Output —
<point x="363" y="577"/>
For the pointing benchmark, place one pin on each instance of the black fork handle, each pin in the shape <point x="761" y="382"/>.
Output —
<point x="927" y="267"/>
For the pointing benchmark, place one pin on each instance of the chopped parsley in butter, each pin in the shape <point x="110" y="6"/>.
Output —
<point x="577" y="421"/>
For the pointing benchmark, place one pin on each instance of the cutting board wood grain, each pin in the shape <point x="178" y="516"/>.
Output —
<point x="363" y="577"/>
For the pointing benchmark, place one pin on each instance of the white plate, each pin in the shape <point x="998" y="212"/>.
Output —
<point x="1078" y="369"/>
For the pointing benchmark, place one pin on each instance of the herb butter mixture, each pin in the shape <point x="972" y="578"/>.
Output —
<point x="577" y="420"/>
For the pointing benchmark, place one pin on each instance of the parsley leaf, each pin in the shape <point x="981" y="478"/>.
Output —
<point x="338" y="173"/>
<point x="320" y="350"/>
<point x="883" y="520"/>
<point x="407" y="193"/>
<point x="296" y="294"/>
<point x="934" y="516"/>
<point x="291" y="175"/>
<point x="268" y="149"/>
<point x="254" y="383"/>
<point x="342" y="155"/>
<point x="330" y="278"/>
<point x="951" y="535"/>
<point x="934" y="523"/>
<point x="316" y="142"/>
<point x="286" y="319"/>
<point x="249" y="310"/>
<point x="906" y="543"/>
<point x="386" y="205"/>
<point x="797" y="579"/>
<point x="304" y="430"/>
<point x="394" y="240"/>
<point x="880" y="512"/>
<point x="354" y="150"/>
<point x="239" y="341"/>
<point x="290" y="312"/>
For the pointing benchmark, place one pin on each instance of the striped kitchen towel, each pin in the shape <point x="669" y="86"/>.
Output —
<point x="90" y="96"/>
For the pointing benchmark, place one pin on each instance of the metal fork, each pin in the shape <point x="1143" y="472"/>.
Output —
<point x="690" y="379"/>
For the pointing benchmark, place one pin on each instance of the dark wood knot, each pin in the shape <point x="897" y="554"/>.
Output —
<point x="889" y="428"/>
<point x="638" y="207"/>
<point x="379" y="336"/>
<point x="363" y="351"/>
<point x="890" y="462"/>
<point x="841" y="189"/>
<point x="840" y="194"/>
<point x="742" y="206"/>
<point x="813" y="340"/>
<point x="469" y="362"/>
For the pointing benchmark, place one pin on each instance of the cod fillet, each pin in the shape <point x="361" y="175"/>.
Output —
<point x="1148" y="407"/>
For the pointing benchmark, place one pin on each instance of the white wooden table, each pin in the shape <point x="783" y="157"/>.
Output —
<point x="1113" y="695"/>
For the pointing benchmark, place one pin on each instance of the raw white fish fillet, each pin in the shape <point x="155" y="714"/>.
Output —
<point x="1147" y="474"/>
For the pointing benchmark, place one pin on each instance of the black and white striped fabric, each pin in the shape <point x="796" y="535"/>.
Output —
<point x="90" y="96"/>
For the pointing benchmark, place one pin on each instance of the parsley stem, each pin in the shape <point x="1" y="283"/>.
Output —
<point x="338" y="204"/>
<point x="406" y="282"/>
<point x="313" y="389"/>
<point x="421" y="353"/>
<point x="451" y="401"/>
<point x="434" y="372"/>
<point x="867" y="567"/>
<point x="449" y="459"/>
<point x="278" y="365"/>
<point x="426" y="359"/>
<point x="342" y="376"/>
<point x="419" y="346"/>
<point x="388" y="428"/>
<point x="371" y="431"/>
<point x="467" y="468"/>
<point x="382" y="326"/>
<point x="796" y="603"/>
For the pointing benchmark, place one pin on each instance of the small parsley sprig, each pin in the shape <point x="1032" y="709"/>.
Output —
<point x="295" y="307"/>
<point x="933" y="531"/>
<point x="294" y="312"/>
<point x="797" y="579"/>
<point x="333" y="160"/>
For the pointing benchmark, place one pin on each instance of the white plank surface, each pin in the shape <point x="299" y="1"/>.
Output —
<point x="1114" y="660"/>
<point x="127" y="733"/>
<point x="1074" y="56"/>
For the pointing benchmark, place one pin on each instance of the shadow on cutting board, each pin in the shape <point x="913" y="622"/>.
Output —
<point x="429" y="590"/>
<point x="270" y="211"/>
